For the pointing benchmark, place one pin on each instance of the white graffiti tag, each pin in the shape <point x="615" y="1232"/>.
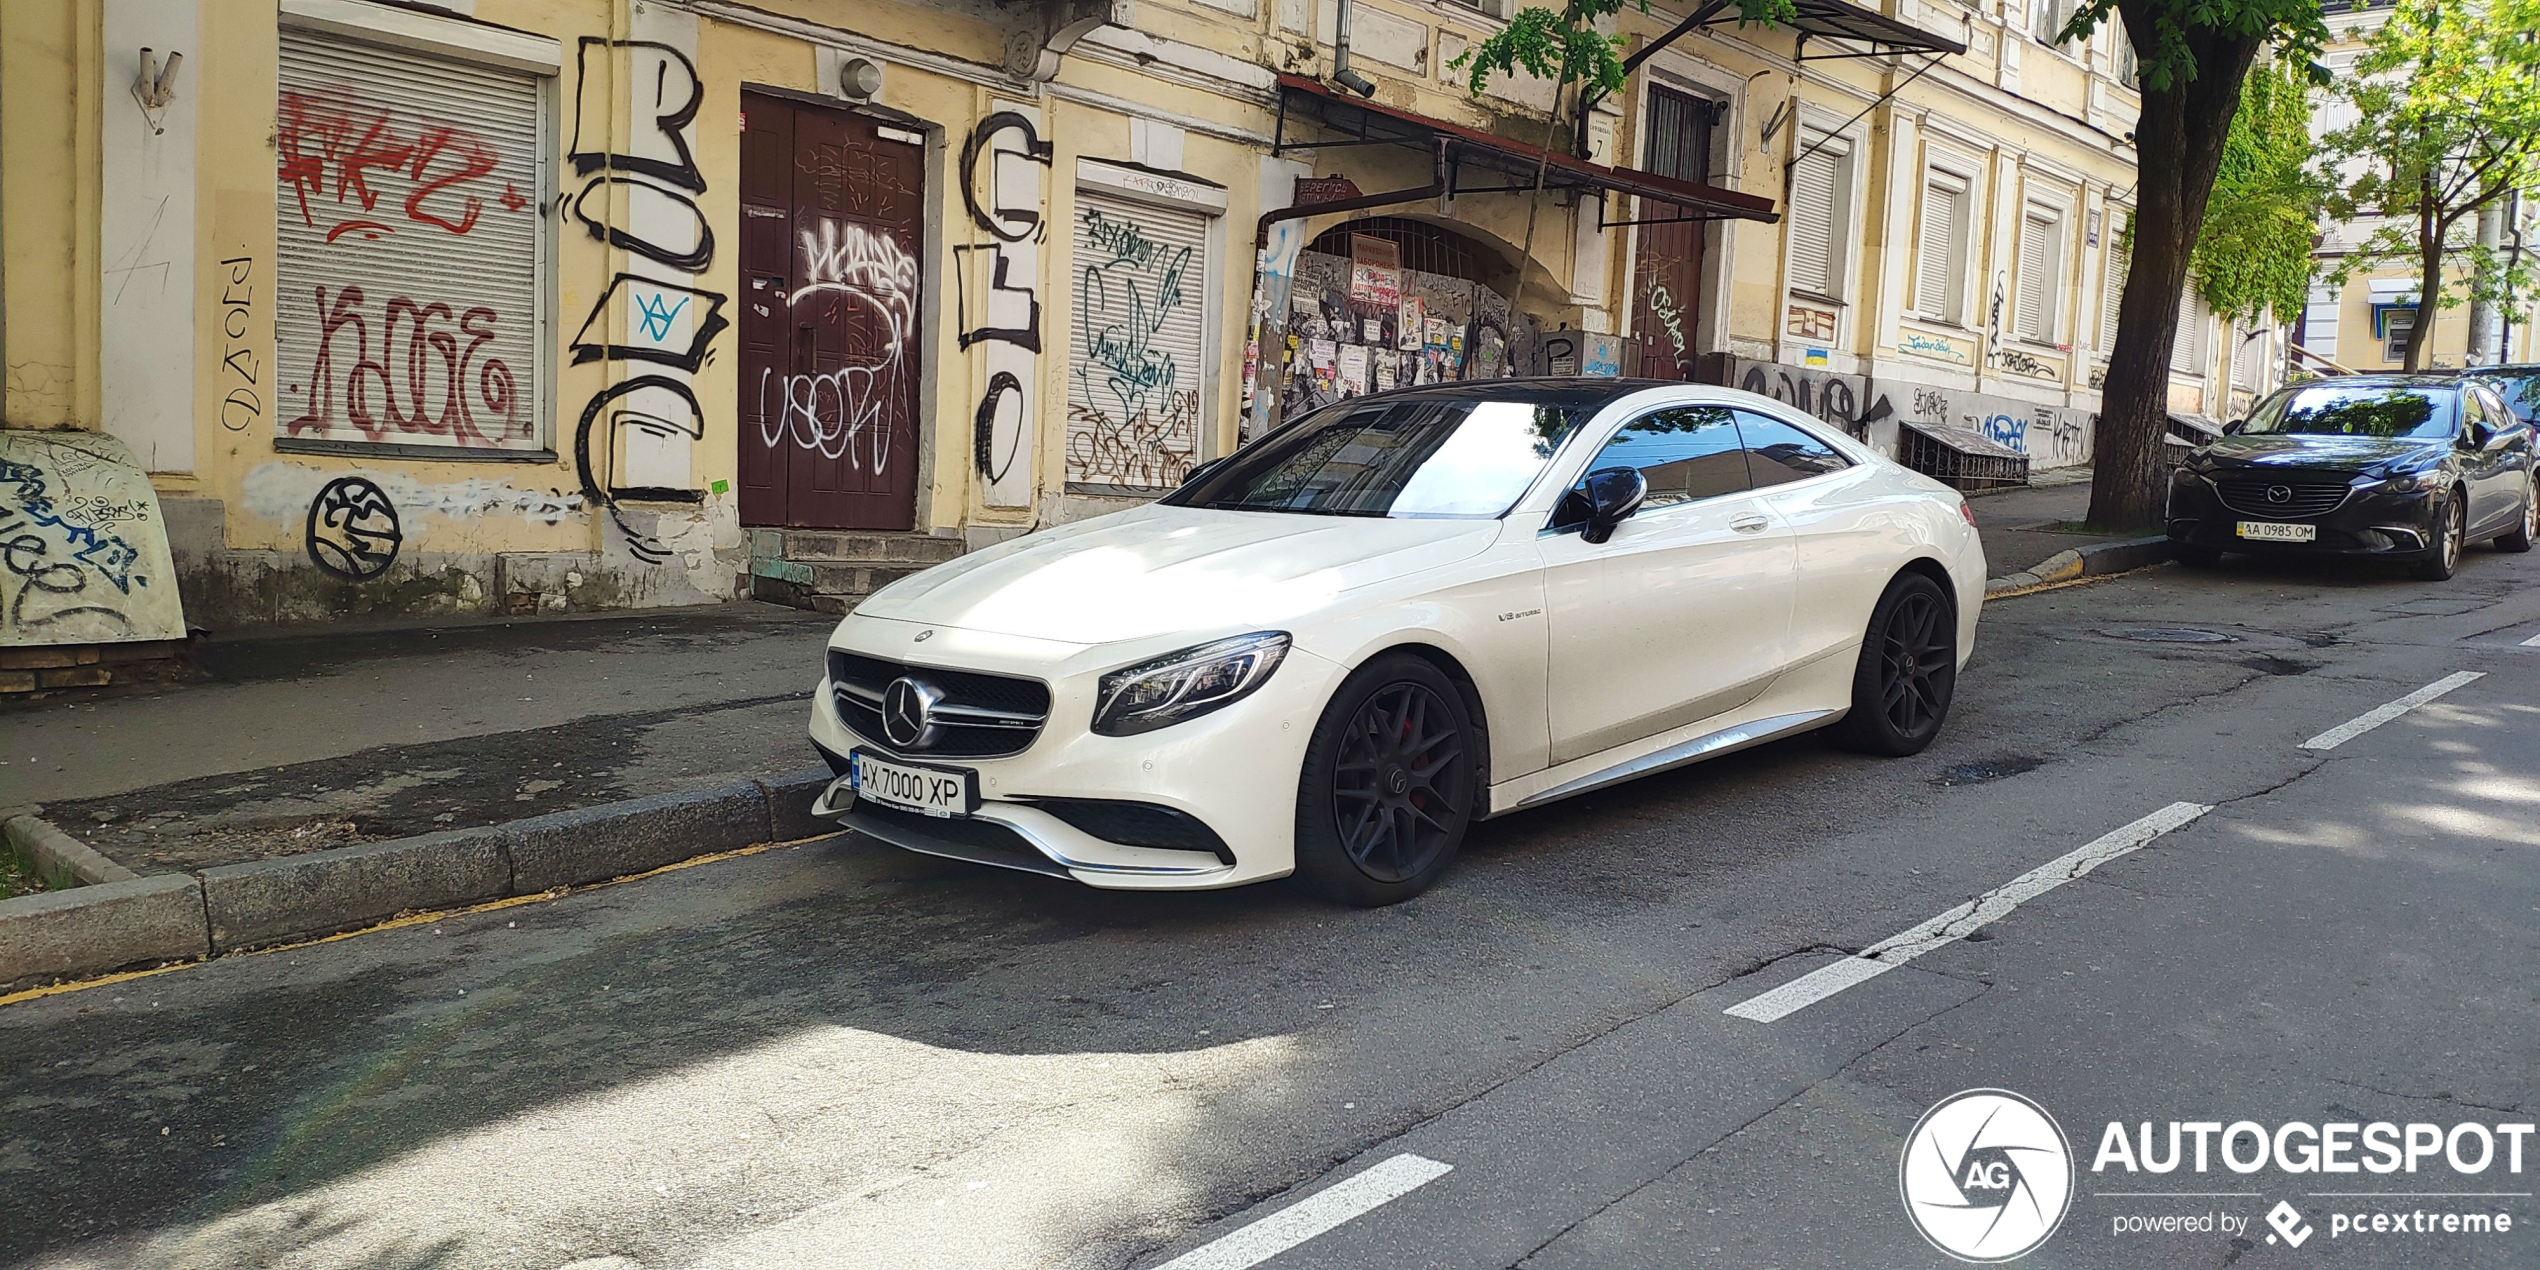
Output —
<point x="840" y="413"/>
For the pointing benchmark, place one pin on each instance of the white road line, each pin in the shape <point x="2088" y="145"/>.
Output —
<point x="1259" y="1241"/>
<point x="2533" y="642"/>
<point x="2379" y="715"/>
<point x="1959" y="922"/>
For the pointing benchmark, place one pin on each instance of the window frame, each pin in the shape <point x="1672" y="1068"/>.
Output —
<point x="1953" y="296"/>
<point x="1838" y="149"/>
<point x="2055" y="218"/>
<point x="1844" y="448"/>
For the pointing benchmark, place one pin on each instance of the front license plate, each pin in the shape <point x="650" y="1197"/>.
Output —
<point x="2268" y="531"/>
<point x="943" y="792"/>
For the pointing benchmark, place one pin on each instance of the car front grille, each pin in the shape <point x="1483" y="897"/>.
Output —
<point x="2288" y="498"/>
<point x="972" y="715"/>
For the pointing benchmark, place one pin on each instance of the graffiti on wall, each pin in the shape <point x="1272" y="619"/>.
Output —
<point x="1003" y="168"/>
<point x="1132" y="406"/>
<point x="353" y="531"/>
<point x="2052" y="436"/>
<point x="81" y="544"/>
<point x="1849" y="402"/>
<point x="372" y="347"/>
<point x="844" y="411"/>
<point x="635" y="436"/>
<point x="243" y="405"/>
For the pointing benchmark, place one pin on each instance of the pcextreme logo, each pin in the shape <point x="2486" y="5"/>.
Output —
<point x="1986" y="1176"/>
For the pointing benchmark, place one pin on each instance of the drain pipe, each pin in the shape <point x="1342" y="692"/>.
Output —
<point x="1341" y="73"/>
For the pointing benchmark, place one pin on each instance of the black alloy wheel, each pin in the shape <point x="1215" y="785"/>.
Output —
<point x="1389" y="784"/>
<point x="2526" y="529"/>
<point x="1908" y="670"/>
<point x="2451" y="525"/>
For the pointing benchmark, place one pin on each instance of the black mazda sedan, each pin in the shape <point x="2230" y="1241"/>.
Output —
<point x="2408" y="467"/>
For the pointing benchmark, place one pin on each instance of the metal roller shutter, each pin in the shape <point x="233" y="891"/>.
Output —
<point x="1934" y="279"/>
<point x="2112" y="289"/>
<point x="2035" y="317"/>
<point x="1136" y="344"/>
<point x="408" y="192"/>
<point x="1816" y="187"/>
<point x="2187" y="344"/>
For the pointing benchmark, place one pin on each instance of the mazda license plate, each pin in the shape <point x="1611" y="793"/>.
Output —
<point x="943" y="792"/>
<point x="2268" y="531"/>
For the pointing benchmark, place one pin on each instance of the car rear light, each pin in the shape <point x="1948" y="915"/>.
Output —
<point x="1967" y="513"/>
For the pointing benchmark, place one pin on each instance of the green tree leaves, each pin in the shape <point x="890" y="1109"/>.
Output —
<point x="2255" y="253"/>
<point x="2444" y="121"/>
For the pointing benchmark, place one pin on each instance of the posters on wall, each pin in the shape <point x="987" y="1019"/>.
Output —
<point x="1433" y="329"/>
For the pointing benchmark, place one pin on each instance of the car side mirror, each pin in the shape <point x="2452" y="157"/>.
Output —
<point x="2232" y="429"/>
<point x="1613" y="494"/>
<point x="2478" y="436"/>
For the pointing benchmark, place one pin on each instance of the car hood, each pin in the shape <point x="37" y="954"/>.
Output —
<point x="1155" y="569"/>
<point x="2318" y="450"/>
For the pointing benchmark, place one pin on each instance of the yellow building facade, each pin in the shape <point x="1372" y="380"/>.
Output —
<point x="510" y="306"/>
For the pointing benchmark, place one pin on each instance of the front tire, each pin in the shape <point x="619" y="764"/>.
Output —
<point x="1908" y="671"/>
<point x="1388" y="787"/>
<point x="2520" y="539"/>
<point x="2443" y="559"/>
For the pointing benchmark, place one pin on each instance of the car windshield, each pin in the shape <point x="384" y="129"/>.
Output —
<point x="2359" y="410"/>
<point x="1406" y="458"/>
<point x="2519" y="388"/>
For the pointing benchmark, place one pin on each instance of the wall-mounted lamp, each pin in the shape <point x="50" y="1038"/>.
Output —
<point x="859" y="78"/>
<point x="155" y="87"/>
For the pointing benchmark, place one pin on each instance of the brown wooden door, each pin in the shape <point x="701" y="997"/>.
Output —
<point x="1667" y="271"/>
<point x="831" y="217"/>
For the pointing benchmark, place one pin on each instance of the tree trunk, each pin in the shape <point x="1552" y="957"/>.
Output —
<point x="2430" y="235"/>
<point x="2178" y="149"/>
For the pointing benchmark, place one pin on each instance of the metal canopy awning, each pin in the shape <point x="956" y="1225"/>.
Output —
<point x="1476" y="162"/>
<point x="1875" y="34"/>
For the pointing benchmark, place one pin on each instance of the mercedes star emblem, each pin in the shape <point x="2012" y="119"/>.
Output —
<point x="907" y="710"/>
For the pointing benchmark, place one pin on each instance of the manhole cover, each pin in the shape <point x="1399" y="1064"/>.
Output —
<point x="2171" y="635"/>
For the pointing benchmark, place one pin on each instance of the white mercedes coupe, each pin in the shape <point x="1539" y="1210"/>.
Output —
<point x="1330" y="652"/>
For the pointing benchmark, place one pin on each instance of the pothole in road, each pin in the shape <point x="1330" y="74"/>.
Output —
<point x="1991" y="769"/>
<point x="2171" y="635"/>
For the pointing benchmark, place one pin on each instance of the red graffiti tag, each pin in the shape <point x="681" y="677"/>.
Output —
<point x="331" y="144"/>
<point x="385" y="404"/>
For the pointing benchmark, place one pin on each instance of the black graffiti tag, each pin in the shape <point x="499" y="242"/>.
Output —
<point x="353" y="529"/>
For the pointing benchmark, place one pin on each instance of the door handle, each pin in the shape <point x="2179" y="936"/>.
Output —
<point x="1749" y="524"/>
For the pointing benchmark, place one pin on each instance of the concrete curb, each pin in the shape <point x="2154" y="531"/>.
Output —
<point x="60" y="859"/>
<point x="2089" y="561"/>
<point x="121" y="922"/>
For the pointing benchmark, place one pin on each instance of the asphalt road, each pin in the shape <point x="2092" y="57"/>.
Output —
<point x="832" y="1054"/>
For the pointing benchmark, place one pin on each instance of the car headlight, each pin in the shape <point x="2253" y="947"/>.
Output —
<point x="1187" y="684"/>
<point x="2401" y="482"/>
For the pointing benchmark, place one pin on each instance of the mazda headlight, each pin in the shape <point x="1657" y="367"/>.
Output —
<point x="2400" y="482"/>
<point x="1187" y="684"/>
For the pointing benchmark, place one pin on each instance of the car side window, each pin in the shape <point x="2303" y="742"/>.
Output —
<point x="1686" y="454"/>
<point x="1777" y="453"/>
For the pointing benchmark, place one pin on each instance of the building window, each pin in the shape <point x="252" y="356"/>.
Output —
<point x="2118" y="261"/>
<point x="2397" y="324"/>
<point x="409" y="244"/>
<point x="1425" y="247"/>
<point x="2187" y="343"/>
<point x="1941" y="248"/>
<point x="1820" y="197"/>
<point x="2048" y="18"/>
<point x="2041" y="273"/>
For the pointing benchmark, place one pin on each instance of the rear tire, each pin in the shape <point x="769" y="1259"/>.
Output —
<point x="2520" y="539"/>
<point x="1908" y="671"/>
<point x="1389" y="784"/>
<point x="2444" y="558"/>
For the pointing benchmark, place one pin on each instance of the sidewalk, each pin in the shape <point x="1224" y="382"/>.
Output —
<point x="2022" y="528"/>
<point x="306" y="742"/>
